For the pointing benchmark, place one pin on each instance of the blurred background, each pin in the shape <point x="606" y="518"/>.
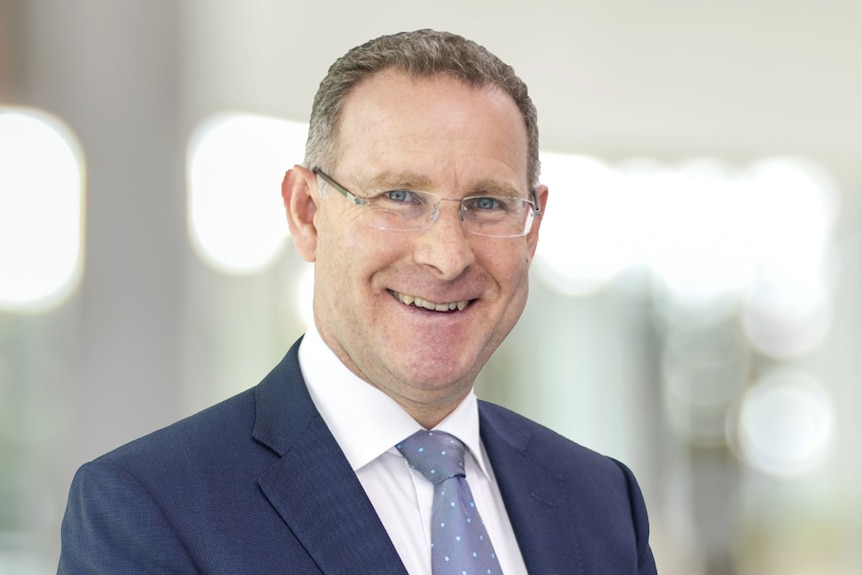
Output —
<point x="696" y="303"/>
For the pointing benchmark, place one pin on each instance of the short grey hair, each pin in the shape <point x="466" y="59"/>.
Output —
<point x="420" y="54"/>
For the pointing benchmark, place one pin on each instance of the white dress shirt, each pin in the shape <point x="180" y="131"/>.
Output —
<point x="367" y="424"/>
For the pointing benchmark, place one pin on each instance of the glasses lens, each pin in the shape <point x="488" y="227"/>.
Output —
<point x="408" y="210"/>
<point x="402" y="210"/>
<point x="497" y="216"/>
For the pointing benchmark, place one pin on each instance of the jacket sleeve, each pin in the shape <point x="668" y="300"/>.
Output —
<point x="113" y="525"/>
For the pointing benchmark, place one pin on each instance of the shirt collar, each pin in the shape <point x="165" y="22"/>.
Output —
<point x="365" y="434"/>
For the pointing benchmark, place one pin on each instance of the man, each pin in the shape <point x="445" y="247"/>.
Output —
<point x="420" y="207"/>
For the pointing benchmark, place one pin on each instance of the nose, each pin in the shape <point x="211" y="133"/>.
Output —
<point x="445" y="246"/>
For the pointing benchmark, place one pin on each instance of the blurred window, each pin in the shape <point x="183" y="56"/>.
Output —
<point x="236" y="163"/>
<point x="41" y="210"/>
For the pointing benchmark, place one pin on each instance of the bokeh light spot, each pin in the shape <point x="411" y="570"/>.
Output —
<point x="41" y="210"/>
<point x="786" y="424"/>
<point x="236" y="163"/>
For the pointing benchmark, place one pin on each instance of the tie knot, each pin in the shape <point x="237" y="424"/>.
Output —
<point x="435" y="454"/>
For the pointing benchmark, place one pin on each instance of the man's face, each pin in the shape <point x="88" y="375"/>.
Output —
<point x="448" y="138"/>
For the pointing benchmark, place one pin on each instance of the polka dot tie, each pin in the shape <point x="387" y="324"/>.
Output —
<point x="459" y="542"/>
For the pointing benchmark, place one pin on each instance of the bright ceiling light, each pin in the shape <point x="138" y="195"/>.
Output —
<point x="41" y="206"/>
<point x="585" y="237"/>
<point x="714" y="238"/>
<point x="236" y="163"/>
<point x="699" y="233"/>
<point x="788" y="310"/>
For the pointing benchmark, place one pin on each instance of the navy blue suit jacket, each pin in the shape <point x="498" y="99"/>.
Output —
<point x="258" y="485"/>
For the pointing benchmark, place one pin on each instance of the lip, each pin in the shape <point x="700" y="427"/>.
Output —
<point x="422" y="303"/>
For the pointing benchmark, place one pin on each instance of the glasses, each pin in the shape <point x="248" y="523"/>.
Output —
<point x="491" y="215"/>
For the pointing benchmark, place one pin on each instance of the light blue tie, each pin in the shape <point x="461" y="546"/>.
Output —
<point x="459" y="543"/>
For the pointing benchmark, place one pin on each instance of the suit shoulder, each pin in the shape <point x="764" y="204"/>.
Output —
<point x="598" y="496"/>
<point x="225" y="436"/>
<point x="202" y="435"/>
<point x="519" y="428"/>
<point x="544" y="444"/>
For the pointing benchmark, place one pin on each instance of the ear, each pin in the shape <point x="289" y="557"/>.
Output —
<point x="533" y="238"/>
<point x="300" y="205"/>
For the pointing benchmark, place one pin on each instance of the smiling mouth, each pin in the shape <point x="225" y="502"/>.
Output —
<point x="429" y="305"/>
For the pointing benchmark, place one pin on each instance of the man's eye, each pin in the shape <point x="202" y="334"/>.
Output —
<point x="487" y="203"/>
<point x="401" y="196"/>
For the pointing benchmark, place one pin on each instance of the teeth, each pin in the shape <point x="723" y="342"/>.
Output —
<point x="430" y="305"/>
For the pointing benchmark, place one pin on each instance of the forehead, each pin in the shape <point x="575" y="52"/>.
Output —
<point x="390" y="119"/>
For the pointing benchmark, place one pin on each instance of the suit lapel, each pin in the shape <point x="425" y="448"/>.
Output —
<point x="312" y="486"/>
<point x="535" y="498"/>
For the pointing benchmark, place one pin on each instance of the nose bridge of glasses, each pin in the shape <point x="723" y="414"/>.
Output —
<point x="461" y="208"/>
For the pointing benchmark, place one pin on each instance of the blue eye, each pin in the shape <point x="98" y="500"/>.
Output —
<point x="488" y="204"/>
<point x="406" y="203"/>
<point x="399" y="196"/>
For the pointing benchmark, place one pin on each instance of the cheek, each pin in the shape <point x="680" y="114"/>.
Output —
<point x="509" y="267"/>
<point x="356" y="246"/>
<point x="353" y="253"/>
<point x="332" y="268"/>
<point x="370" y="249"/>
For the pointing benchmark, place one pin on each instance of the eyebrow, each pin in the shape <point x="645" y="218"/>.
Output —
<point x="494" y="187"/>
<point x="414" y="181"/>
<point x="396" y="181"/>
